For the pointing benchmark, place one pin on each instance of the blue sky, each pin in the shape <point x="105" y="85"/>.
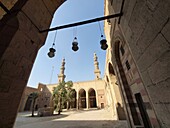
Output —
<point x="79" y="65"/>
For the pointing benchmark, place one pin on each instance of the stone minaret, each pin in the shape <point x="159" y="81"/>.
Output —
<point x="61" y="76"/>
<point x="96" y="68"/>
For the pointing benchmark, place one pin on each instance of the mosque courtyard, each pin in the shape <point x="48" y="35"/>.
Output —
<point x="93" y="118"/>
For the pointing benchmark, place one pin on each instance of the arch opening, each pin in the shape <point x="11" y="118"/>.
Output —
<point x="82" y="98"/>
<point x="92" y="98"/>
<point x="28" y="104"/>
<point x="127" y="94"/>
<point x="111" y="70"/>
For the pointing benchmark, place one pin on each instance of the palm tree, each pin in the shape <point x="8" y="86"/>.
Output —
<point x="34" y="96"/>
<point x="69" y="94"/>
<point x="59" y="93"/>
<point x="62" y="94"/>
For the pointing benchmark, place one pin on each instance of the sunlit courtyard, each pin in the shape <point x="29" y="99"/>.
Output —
<point x="93" y="118"/>
<point x="97" y="63"/>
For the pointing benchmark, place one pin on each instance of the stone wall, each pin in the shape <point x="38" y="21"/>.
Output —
<point x="20" y="41"/>
<point x="145" y="26"/>
<point x="150" y="46"/>
<point x="25" y="95"/>
<point x="42" y="101"/>
<point x="44" y="96"/>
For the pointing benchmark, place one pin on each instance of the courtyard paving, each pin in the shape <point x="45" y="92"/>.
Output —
<point x="71" y="119"/>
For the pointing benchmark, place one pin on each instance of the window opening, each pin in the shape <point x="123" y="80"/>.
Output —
<point x="127" y="65"/>
<point x="122" y="50"/>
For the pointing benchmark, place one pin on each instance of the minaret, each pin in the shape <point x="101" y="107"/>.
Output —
<point x="96" y="68"/>
<point x="61" y="76"/>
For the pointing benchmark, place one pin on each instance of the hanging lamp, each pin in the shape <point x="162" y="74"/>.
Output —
<point x="103" y="41"/>
<point x="75" y="42"/>
<point x="52" y="51"/>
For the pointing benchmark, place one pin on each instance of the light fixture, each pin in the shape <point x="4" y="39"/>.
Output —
<point x="52" y="51"/>
<point x="75" y="44"/>
<point x="103" y="41"/>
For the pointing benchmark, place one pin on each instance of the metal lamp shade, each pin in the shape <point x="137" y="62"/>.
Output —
<point x="103" y="44"/>
<point x="51" y="52"/>
<point x="75" y="45"/>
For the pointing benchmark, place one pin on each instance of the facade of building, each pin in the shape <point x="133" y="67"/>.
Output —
<point x="88" y="94"/>
<point x="137" y="57"/>
<point x="26" y="101"/>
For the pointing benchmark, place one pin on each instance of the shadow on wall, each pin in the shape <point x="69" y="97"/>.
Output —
<point x="120" y="112"/>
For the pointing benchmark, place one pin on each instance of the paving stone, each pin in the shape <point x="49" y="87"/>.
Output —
<point x="72" y="119"/>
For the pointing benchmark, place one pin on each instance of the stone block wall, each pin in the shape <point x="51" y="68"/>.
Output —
<point x="20" y="41"/>
<point x="44" y="96"/>
<point x="25" y="95"/>
<point x="145" y="25"/>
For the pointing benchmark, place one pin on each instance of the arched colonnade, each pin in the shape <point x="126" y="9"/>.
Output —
<point x="84" y="99"/>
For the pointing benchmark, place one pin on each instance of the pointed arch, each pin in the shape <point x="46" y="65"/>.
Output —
<point x="92" y="98"/>
<point x="82" y="98"/>
<point x="28" y="104"/>
<point x="125" y="88"/>
<point x="111" y="70"/>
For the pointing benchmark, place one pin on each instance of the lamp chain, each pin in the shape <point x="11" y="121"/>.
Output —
<point x="75" y="32"/>
<point x="55" y="37"/>
<point x="100" y="28"/>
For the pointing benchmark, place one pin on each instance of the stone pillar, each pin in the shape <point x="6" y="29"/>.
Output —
<point x="87" y="100"/>
<point x="97" y="100"/>
<point x="77" y="98"/>
<point x="96" y="68"/>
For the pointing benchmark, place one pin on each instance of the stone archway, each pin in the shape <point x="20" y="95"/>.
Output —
<point x="20" y="41"/>
<point x="125" y="88"/>
<point x="82" y="98"/>
<point x="132" y="86"/>
<point x="28" y="104"/>
<point x="92" y="98"/>
<point x="118" y="100"/>
<point x="111" y="70"/>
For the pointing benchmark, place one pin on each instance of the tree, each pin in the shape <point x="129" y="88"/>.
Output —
<point x="69" y="94"/>
<point x="62" y="94"/>
<point x="59" y="93"/>
<point x="34" y="96"/>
